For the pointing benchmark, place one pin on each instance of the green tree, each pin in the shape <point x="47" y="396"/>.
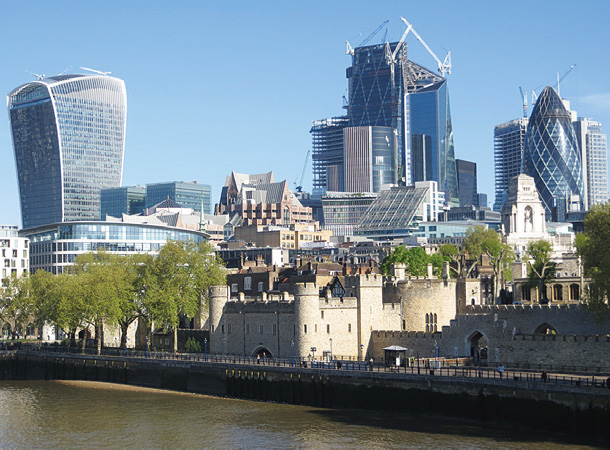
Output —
<point x="416" y="261"/>
<point x="178" y="281"/>
<point x="42" y="284"/>
<point x="15" y="305"/>
<point x="481" y="241"/>
<point x="462" y="268"/>
<point x="541" y="269"/>
<point x="594" y="247"/>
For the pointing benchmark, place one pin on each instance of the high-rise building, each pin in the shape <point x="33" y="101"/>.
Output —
<point x="389" y="91"/>
<point x="552" y="157"/>
<point x="69" y="141"/>
<point x="467" y="182"/>
<point x="188" y="195"/>
<point x="122" y="200"/>
<point x="509" y="138"/>
<point x="594" y="154"/>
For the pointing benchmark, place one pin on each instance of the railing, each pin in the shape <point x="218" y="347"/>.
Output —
<point x="420" y="367"/>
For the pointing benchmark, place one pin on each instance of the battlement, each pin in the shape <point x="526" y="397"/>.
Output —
<point x="219" y="291"/>
<point x="338" y="302"/>
<point x="491" y="309"/>
<point x="306" y="289"/>
<point x="560" y="338"/>
<point x="364" y="280"/>
<point x="407" y="334"/>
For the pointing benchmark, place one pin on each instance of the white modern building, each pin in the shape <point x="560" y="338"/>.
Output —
<point x="14" y="252"/>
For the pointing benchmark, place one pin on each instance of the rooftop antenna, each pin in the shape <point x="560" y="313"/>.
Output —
<point x="38" y="77"/>
<point x="96" y="71"/>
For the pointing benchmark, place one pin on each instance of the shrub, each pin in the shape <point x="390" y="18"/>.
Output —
<point x="192" y="346"/>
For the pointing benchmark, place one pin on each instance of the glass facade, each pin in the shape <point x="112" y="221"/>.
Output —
<point x="467" y="182"/>
<point x="509" y="139"/>
<point x="594" y="149"/>
<point x="552" y="156"/>
<point x="188" y="195"/>
<point x="69" y="140"/>
<point x="342" y="211"/>
<point x="430" y="115"/>
<point x="55" y="246"/>
<point x="124" y="200"/>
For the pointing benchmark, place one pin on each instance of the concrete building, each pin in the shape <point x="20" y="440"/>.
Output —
<point x="295" y="236"/>
<point x="14" y="252"/>
<point x="343" y="210"/>
<point x="69" y="140"/>
<point x="594" y="150"/>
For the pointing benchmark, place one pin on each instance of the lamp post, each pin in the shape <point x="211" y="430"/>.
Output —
<point x="362" y="353"/>
<point x="205" y="349"/>
<point x="147" y="345"/>
<point x="331" y="349"/>
<point x="292" y="352"/>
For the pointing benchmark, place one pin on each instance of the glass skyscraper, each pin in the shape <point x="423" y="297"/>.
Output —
<point x="594" y="150"/>
<point x="467" y="182"/>
<point x="509" y="139"/>
<point x="123" y="200"/>
<point x="186" y="194"/>
<point x="552" y="157"/>
<point x="69" y="141"/>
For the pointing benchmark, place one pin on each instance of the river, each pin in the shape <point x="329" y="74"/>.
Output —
<point x="62" y="414"/>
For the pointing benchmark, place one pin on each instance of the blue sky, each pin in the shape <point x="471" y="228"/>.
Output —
<point x="220" y="86"/>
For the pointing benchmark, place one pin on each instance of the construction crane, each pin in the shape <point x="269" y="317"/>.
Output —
<point x="524" y="97"/>
<point x="350" y="51"/>
<point x="38" y="77"/>
<point x="96" y="71"/>
<point x="559" y="80"/>
<point x="299" y="185"/>
<point x="443" y="67"/>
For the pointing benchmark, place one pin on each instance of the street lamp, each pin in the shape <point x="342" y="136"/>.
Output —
<point x="362" y="352"/>
<point x="147" y="345"/>
<point x="292" y="352"/>
<point x="205" y="349"/>
<point x="331" y="349"/>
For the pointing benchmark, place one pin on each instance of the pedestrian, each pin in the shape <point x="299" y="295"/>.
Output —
<point x="501" y="370"/>
<point x="543" y="376"/>
<point x="371" y="364"/>
<point x="258" y="359"/>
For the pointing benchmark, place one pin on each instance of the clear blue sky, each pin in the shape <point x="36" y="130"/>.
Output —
<point x="220" y="86"/>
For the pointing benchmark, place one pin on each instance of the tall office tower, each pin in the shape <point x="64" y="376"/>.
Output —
<point x="188" y="195"/>
<point x="69" y="140"/>
<point x="509" y="139"/>
<point x="429" y="116"/>
<point x="327" y="155"/>
<point x="594" y="154"/>
<point x="370" y="158"/>
<point x="552" y="157"/>
<point x="467" y="182"/>
<point x="123" y="200"/>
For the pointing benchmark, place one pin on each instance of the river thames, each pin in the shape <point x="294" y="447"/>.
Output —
<point x="60" y="414"/>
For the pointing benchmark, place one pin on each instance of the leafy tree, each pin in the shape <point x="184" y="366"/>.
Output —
<point x="541" y="269"/>
<point x="178" y="281"/>
<point x="15" y="304"/>
<point x="462" y="268"/>
<point x="416" y="261"/>
<point x="481" y="241"/>
<point x="594" y="247"/>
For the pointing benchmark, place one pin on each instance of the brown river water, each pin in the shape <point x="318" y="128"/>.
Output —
<point x="75" y="414"/>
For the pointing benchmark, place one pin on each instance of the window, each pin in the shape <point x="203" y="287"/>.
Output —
<point x="305" y="328"/>
<point x="234" y="287"/>
<point x="431" y="323"/>
<point x="274" y="329"/>
<point x="349" y="327"/>
<point x="260" y="286"/>
<point x="322" y="314"/>
<point x="328" y="328"/>
<point x="247" y="283"/>
<point x="260" y="329"/>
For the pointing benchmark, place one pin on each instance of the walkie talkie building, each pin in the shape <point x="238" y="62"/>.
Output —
<point x="69" y="141"/>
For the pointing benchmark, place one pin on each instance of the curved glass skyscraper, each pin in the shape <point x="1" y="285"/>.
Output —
<point x="551" y="155"/>
<point x="69" y="140"/>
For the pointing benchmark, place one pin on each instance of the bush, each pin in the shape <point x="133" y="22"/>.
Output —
<point x="192" y="346"/>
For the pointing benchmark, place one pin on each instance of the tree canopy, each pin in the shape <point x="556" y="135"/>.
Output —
<point x="594" y="247"/>
<point x="416" y="261"/>
<point x="541" y="269"/>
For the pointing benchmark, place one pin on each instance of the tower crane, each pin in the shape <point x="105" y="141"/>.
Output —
<point x="524" y="96"/>
<point x="38" y="77"/>
<point x="443" y="67"/>
<point x="96" y="71"/>
<point x="350" y="51"/>
<point x="299" y="185"/>
<point x="559" y="80"/>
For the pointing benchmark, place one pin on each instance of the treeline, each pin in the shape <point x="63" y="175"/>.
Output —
<point x="102" y="288"/>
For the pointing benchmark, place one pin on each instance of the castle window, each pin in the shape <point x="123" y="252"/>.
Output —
<point x="558" y="292"/>
<point x="526" y="293"/>
<point x="305" y="328"/>
<point x="212" y="328"/>
<point x="574" y="292"/>
<point x="234" y="287"/>
<point x="349" y="327"/>
<point x="328" y="329"/>
<point x="322" y="314"/>
<point x="222" y="328"/>
<point x="260" y="286"/>
<point x="260" y="329"/>
<point x="247" y="283"/>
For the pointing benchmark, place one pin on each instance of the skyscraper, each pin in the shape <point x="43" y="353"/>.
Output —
<point x="123" y="200"/>
<point x="594" y="151"/>
<point x="467" y="182"/>
<point x="552" y="157"/>
<point x="69" y="141"/>
<point x="509" y="138"/>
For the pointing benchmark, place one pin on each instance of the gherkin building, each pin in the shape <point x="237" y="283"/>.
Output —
<point x="551" y="155"/>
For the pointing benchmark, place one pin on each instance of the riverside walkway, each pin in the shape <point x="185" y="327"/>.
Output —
<point x="429" y="367"/>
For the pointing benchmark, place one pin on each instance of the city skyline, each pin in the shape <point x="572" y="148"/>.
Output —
<point x="194" y="116"/>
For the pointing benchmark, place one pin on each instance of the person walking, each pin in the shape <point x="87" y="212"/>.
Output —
<point x="501" y="370"/>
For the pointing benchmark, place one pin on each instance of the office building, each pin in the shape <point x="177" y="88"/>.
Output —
<point x="594" y="154"/>
<point x="186" y="194"/>
<point x="343" y="210"/>
<point x="122" y="200"/>
<point x="327" y="155"/>
<point x="552" y="157"/>
<point x="69" y="140"/>
<point x="509" y="139"/>
<point x="56" y="246"/>
<point x="467" y="182"/>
